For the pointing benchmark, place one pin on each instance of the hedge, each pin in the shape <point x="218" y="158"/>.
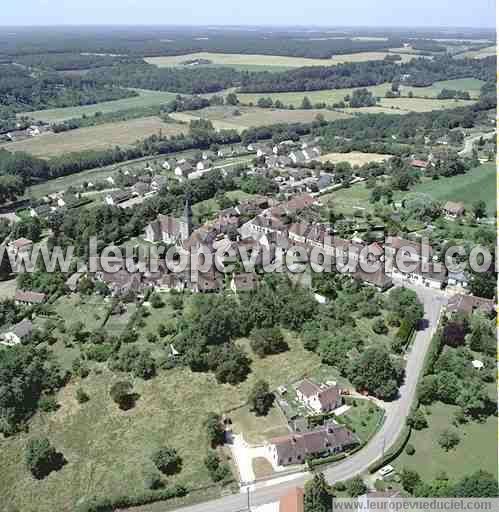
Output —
<point x="326" y="460"/>
<point x="393" y="452"/>
<point x="111" y="504"/>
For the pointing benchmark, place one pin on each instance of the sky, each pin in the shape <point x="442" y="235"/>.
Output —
<point x="420" y="13"/>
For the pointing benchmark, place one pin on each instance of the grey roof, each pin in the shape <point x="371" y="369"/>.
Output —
<point x="22" y="329"/>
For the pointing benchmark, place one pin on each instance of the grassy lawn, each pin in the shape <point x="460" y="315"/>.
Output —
<point x="349" y="200"/>
<point x="267" y="60"/>
<point x="145" y="99"/>
<point x="258" y="429"/>
<point x="478" y="183"/>
<point x="123" y="133"/>
<point x="477" y="449"/>
<point x="210" y="206"/>
<point x="8" y="289"/>
<point x="364" y="418"/>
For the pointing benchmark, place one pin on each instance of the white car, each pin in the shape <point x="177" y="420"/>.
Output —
<point x="387" y="470"/>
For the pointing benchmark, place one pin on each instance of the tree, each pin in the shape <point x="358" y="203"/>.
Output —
<point x="379" y="326"/>
<point x="41" y="457"/>
<point x="156" y="301"/>
<point x="356" y="487"/>
<point x="417" y="420"/>
<point x="448" y="387"/>
<point x="410" y="450"/>
<point x="317" y="496"/>
<point x="480" y="209"/>
<point x="306" y="103"/>
<point x="152" y="480"/>
<point x="121" y="393"/>
<point x="144" y="366"/>
<point x="428" y="389"/>
<point x="218" y="471"/>
<point x="448" y="438"/>
<point x="478" y="485"/>
<point x="167" y="460"/>
<point x="232" y="99"/>
<point x="261" y="399"/>
<point x="265" y="342"/>
<point x="81" y="396"/>
<point x="215" y="429"/>
<point x="375" y="372"/>
<point x="409" y="479"/>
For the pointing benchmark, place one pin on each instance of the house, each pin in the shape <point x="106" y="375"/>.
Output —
<point x="115" y="198"/>
<point x="296" y="448"/>
<point x="72" y="281"/>
<point x="122" y="282"/>
<point x="21" y="245"/>
<point x="204" y="165"/>
<point x="419" y="164"/>
<point x="469" y="304"/>
<point x="457" y="280"/>
<point x="208" y="155"/>
<point x="18" y="333"/>
<point x="207" y="283"/>
<point x="292" y="501"/>
<point x="319" y="399"/>
<point x="298" y="231"/>
<point x="299" y="203"/>
<point x="410" y="250"/>
<point x="324" y="181"/>
<point x="430" y="277"/>
<point x="167" y="229"/>
<point x="110" y="180"/>
<point x="43" y="210"/>
<point x="28" y="297"/>
<point x="244" y="282"/>
<point x="169" y="165"/>
<point x="454" y="210"/>
<point x="311" y="153"/>
<point x="297" y="157"/>
<point x="378" y="279"/>
<point x="140" y="189"/>
<point x="183" y="170"/>
<point x="158" y="182"/>
<point x="263" y="150"/>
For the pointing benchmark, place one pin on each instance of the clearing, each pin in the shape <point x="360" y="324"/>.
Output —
<point x="106" y="136"/>
<point x="475" y="451"/>
<point x="226" y="59"/>
<point x="146" y="98"/>
<point x="354" y="158"/>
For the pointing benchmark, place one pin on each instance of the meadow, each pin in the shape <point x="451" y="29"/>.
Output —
<point x="478" y="183"/>
<point x="105" y="136"/>
<point x="475" y="451"/>
<point x="224" y="118"/>
<point x="479" y="54"/>
<point x="145" y="99"/>
<point x="228" y="59"/>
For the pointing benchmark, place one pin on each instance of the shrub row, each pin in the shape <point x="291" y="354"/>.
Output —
<point x="393" y="452"/>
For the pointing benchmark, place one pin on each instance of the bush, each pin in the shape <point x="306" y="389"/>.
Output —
<point x="265" y="342"/>
<point x="448" y="439"/>
<point x="379" y="326"/>
<point x="48" y="403"/>
<point x="410" y="450"/>
<point x="121" y="393"/>
<point x="218" y="470"/>
<point x="41" y="458"/>
<point x="81" y="396"/>
<point x="167" y="460"/>
<point x="152" y="480"/>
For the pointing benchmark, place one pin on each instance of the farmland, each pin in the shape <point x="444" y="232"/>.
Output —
<point x="99" y="465"/>
<point x="479" y="183"/>
<point x="354" y="158"/>
<point x="224" y="59"/>
<point x="145" y="99"/>
<point x="104" y="136"/>
<point x="331" y="96"/>
<point x="246" y="117"/>
<point x="479" y="54"/>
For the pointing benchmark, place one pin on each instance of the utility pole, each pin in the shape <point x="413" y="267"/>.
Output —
<point x="248" y="495"/>
<point x="383" y="448"/>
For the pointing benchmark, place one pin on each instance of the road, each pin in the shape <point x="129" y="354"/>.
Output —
<point x="396" y="413"/>
<point x="468" y="143"/>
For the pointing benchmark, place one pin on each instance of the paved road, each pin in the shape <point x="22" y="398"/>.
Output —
<point x="396" y="413"/>
<point x="468" y="143"/>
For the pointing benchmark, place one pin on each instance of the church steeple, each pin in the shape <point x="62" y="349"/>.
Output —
<point x="188" y="213"/>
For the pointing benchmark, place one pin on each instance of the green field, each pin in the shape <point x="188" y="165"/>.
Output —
<point x="145" y="99"/>
<point x="476" y="450"/>
<point x="228" y="59"/>
<point x="104" y="136"/>
<point x="223" y="118"/>
<point x="479" y="54"/>
<point x="478" y="183"/>
<point x="331" y="96"/>
<point x="108" y="449"/>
